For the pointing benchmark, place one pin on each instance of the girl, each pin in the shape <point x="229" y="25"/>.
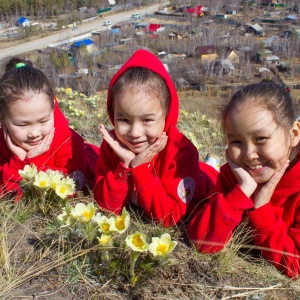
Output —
<point x="34" y="130"/>
<point x="146" y="160"/>
<point x="261" y="180"/>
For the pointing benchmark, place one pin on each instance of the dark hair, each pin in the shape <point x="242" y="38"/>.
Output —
<point x="268" y="94"/>
<point x="149" y="81"/>
<point x="272" y="96"/>
<point x="19" y="78"/>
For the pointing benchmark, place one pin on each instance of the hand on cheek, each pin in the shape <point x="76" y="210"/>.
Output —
<point x="123" y="153"/>
<point x="265" y="192"/>
<point x="245" y="180"/>
<point x="149" y="153"/>
<point x="16" y="150"/>
<point x="43" y="146"/>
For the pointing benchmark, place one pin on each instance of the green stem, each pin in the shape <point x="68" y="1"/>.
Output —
<point x="133" y="259"/>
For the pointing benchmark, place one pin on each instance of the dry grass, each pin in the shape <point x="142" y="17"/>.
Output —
<point x="39" y="261"/>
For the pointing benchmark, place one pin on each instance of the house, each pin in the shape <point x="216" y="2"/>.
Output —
<point x="195" y="11"/>
<point x="224" y="66"/>
<point x="231" y="55"/>
<point x="256" y="29"/>
<point x="88" y="43"/>
<point x="23" y="22"/>
<point x="155" y="28"/>
<point x="206" y="53"/>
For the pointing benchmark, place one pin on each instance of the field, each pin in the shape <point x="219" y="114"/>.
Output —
<point x="42" y="259"/>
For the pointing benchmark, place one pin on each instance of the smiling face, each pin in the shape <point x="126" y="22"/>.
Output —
<point x="139" y="118"/>
<point x="256" y="142"/>
<point x="29" y="120"/>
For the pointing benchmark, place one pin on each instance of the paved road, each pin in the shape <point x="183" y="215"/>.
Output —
<point x="42" y="43"/>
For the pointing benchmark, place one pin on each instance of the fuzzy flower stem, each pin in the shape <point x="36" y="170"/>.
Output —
<point x="133" y="259"/>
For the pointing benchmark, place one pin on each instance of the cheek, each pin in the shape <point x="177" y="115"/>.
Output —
<point x="234" y="153"/>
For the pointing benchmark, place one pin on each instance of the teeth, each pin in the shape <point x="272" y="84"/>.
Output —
<point x="255" y="167"/>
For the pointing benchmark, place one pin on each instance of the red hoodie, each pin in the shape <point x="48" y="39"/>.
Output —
<point x="276" y="224"/>
<point x="167" y="185"/>
<point x="68" y="153"/>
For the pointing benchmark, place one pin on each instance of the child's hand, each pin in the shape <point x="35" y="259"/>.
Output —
<point x="43" y="146"/>
<point x="245" y="180"/>
<point x="148" y="154"/>
<point x="264" y="193"/>
<point x="123" y="153"/>
<point x="16" y="150"/>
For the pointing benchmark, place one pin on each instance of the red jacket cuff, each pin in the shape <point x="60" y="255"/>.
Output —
<point x="237" y="200"/>
<point x="121" y="173"/>
<point x="262" y="217"/>
<point x="142" y="175"/>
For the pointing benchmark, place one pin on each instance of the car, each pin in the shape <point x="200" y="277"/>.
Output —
<point x="107" y="23"/>
<point x="136" y="16"/>
<point x="74" y="28"/>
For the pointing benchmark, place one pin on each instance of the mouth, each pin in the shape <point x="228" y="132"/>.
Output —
<point x="33" y="143"/>
<point x="256" y="168"/>
<point x="136" y="144"/>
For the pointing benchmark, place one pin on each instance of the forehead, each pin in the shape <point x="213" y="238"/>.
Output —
<point x="249" y="117"/>
<point x="135" y="96"/>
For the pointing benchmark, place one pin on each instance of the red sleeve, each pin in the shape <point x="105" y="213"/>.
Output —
<point x="165" y="198"/>
<point x="111" y="189"/>
<point x="67" y="154"/>
<point x="278" y="243"/>
<point x="9" y="176"/>
<point x="211" y="228"/>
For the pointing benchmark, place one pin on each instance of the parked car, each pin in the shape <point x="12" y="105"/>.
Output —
<point x="136" y="16"/>
<point x="107" y="23"/>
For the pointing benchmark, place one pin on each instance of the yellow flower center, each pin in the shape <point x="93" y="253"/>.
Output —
<point x="162" y="248"/>
<point x="87" y="215"/>
<point x="43" y="183"/>
<point x="120" y="223"/>
<point x="105" y="227"/>
<point x="63" y="189"/>
<point x="137" y="241"/>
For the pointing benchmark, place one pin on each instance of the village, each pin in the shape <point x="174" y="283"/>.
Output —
<point x="199" y="45"/>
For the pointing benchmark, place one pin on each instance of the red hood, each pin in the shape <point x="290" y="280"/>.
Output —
<point x="146" y="59"/>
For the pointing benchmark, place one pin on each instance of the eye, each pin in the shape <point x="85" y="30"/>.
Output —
<point x="233" y="142"/>
<point x="122" y="120"/>
<point x="44" y="121"/>
<point x="148" y="120"/>
<point x="260" y="139"/>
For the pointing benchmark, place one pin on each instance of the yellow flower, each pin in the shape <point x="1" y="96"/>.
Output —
<point x="68" y="90"/>
<point x="66" y="217"/>
<point x="121" y="223"/>
<point x="65" y="187"/>
<point x="28" y="173"/>
<point x="106" y="224"/>
<point x="55" y="177"/>
<point x="42" y="180"/>
<point x="163" y="245"/>
<point x="104" y="240"/>
<point x="84" y="213"/>
<point x="137" y="242"/>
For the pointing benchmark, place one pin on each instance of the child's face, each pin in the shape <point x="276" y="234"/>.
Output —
<point x="256" y="142"/>
<point x="139" y="119"/>
<point x="29" y="121"/>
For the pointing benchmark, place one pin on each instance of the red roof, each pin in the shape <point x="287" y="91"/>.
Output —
<point x="153" y="27"/>
<point x="195" y="10"/>
<point x="204" y="50"/>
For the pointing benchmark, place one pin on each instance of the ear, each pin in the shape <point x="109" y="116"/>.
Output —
<point x="295" y="134"/>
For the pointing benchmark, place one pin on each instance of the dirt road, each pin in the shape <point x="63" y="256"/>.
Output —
<point x="97" y="24"/>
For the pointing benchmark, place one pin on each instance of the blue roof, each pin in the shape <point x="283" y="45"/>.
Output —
<point x="84" y="42"/>
<point x="22" y="20"/>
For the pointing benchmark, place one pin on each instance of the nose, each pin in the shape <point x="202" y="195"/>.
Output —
<point x="33" y="132"/>
<point x="135" y="130"/>
<point x="250" y="152"/>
